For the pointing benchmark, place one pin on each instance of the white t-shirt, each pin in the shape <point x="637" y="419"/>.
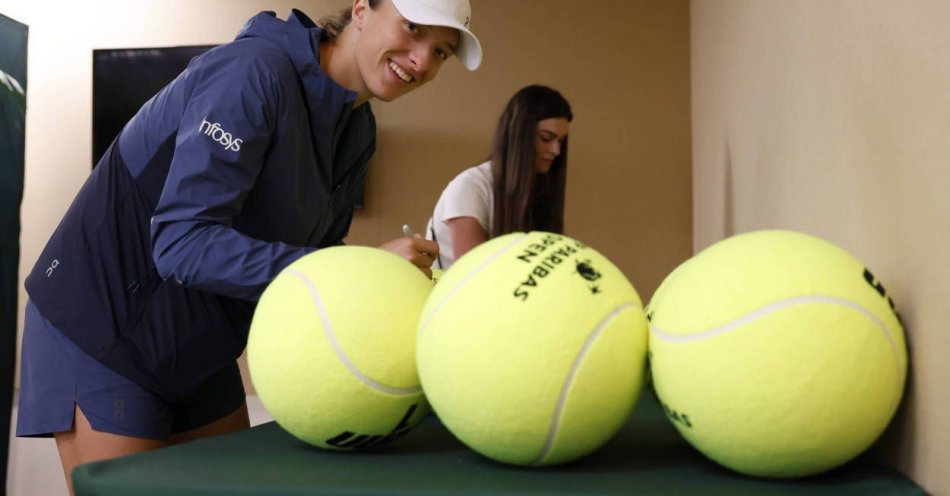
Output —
<point x="468" y="195"/>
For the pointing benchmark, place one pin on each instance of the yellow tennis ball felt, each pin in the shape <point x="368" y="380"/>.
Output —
<point x="532" y="349"/>
<point x="776" y="353"/>
<point x="331" y="350"/>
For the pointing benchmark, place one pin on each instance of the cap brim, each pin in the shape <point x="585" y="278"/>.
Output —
<point x="469" y="51"/>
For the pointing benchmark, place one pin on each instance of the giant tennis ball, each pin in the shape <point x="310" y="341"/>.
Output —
<point x="532" y="349"/>
<point x="776" y="354"/>
<point x="331" y="350"/>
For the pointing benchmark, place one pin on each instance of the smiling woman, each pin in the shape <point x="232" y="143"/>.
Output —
<point x="141" y="300"/>
<point x="398" y="45"/>
<point x="521" y="187"/>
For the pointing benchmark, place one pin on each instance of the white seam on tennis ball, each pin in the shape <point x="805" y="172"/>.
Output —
<point x="485" y="263"/>
<point x="774" y="307"/>
<point x="569" y="381"/>
<point x="331" y="337"/>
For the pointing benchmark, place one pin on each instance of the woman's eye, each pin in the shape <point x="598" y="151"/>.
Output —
<point x="441" y="54"/>
<point x="412" y="27"/>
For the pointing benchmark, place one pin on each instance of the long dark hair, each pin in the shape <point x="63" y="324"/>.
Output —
<point x="525" y="200"/>
<point x="333" y="25"/>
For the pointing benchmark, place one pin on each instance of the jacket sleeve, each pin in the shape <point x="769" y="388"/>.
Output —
<point x="219" y="151"/>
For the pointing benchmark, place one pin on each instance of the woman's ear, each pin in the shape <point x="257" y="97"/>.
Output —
<point x="359" y="12"/>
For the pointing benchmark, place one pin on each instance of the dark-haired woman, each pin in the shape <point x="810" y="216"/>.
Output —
<point x="520" y="188"/>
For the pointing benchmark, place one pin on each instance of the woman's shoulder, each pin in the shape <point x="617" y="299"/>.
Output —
<point x="480" y="173"/>
<point x="475" y="181"/>
<point x="249" y="56"/>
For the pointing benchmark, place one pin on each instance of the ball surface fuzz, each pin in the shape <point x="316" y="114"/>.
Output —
<point x="331" y="350"/>
<point x="532" y="349"/>
<point x="776" y="354"/>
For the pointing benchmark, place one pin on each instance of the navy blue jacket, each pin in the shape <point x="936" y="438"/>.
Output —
<point x="248" y="160"/>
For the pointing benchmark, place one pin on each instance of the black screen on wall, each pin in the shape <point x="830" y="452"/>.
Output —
<point x="124" y="79"/>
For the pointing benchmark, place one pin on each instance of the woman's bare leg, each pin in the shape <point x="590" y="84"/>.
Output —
<point x="84" y="445"/>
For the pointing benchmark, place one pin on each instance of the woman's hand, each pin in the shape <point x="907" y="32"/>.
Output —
<point x="420" y="252"/>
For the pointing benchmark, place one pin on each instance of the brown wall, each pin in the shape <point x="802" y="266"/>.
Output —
<point x="832" y="118"/>
<point x="623" y="65"/>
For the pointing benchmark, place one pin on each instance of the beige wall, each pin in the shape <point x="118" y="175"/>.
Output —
<point x="832" y="118"/>
<point x="624" y="65"/>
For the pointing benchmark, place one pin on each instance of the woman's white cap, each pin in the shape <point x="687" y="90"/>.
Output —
<point x="449" y="13"/>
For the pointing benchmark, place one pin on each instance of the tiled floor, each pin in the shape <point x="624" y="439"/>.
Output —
<point x="34" y="468"/>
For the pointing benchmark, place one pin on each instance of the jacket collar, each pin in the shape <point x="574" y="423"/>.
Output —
<point x="328" y="103"/>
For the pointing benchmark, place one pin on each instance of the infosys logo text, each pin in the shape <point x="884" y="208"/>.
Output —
<point x="214" y="130"/>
